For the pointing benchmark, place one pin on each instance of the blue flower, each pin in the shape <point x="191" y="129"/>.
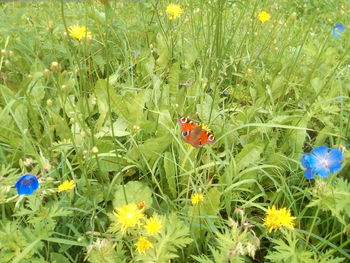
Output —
<point x="338" y="29"/>
<point x="136" y="53"/>
<point x="321" y="161"/>
<point x="308" y="173"/>
<point x="27" y="184"/>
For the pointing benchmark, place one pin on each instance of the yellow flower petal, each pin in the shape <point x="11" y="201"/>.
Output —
<point x="143" y="244"/>
<point x="174" y="11"/>
<point x="66" y="185"/>
<point x="197" y="198"/>
<point x="79" y="32"/>
<point x="264" y="16"/>
<point x="128" y="216"/>
<point x="153" y="225"/>
<point x="276" y="218"/>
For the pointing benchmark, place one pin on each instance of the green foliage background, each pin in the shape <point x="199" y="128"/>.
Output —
<point x="107" y="119"/>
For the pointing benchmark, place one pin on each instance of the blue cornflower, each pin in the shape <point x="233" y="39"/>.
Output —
<point x="338" y="29"/>
<point x="136" y="53"/>
<point x="27" y="184"/>
<point x="321" y="161"/>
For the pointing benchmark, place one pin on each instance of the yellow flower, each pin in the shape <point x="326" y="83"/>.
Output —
<point x="197" y="198"/>
<point x="173" y="11"/>
<point x="264" y="16"/>
<point x="153" y="225"/>
<point x="276" y="218"/>
<point x="79" y="32"/>
<point x="143" y="244"/>
<point x="205" y="127"/>
<point x="128" y="216"/>
<point x="66" y="185"/>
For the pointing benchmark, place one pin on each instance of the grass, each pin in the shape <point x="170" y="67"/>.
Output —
<point x="96" y="112"/>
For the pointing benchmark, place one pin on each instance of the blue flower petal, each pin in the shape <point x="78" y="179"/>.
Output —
<point x="320" y="152"/>
<point x="336" y="34"/>
<point x="335" y="168"/>
<point x="314" y="162"/>
<point x="335" y="155"/>
<point x="338" y="29"/>
<point x="27" y="184"/>
<point x="25" y="190"/>
<point x="305" y="161"/>
<point x="308" y="173"/>
<point x="321" y="171"/>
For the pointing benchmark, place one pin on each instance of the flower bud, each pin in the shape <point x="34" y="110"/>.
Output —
<point x="50" y="26"/>
<point x="293" y="16"/>
<point x="47" y="167"/>
<point x="64" y="88"/>
<point x="49" y="102"/>
<point x="55" y="66"/>
<point x="28" y="162"/>
<point x="94" y="149"/>
<point x="47" y="72"/>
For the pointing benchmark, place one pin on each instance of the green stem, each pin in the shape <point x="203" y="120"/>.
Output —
<point x="108" y="10"/>
<point x="312" y="226"/>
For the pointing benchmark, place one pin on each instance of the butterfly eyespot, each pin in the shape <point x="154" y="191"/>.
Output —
<point x="185" y="133"/>
<point x="211" y="138"/>
<point x="183" y="120"/>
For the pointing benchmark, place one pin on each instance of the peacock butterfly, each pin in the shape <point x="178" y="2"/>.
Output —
<point x="194" y="134"/>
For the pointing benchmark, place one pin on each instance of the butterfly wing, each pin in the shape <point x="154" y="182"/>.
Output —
<point x="206" y="137"/>
<point x="187" y="128"/>
<point x="194" y="134"/>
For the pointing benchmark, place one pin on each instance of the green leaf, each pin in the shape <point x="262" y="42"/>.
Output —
<point x="135" y="192"/>
<point x="119" y="129"/>
<point x="333" y="197"/>
<point x="173" y="236"/>
<point x="58" y="258"/>
<point x="211" y="203"/>
<point x="248" y="155"/>
<point x="26" y="251"/>
<point x="151" y="150"/>
<point x="289" y="251"/>
<point x="170" y="172"/>
<point x="102" y="101"/>
<point x="205" y="108"/>
<point x="173" y="81"/>
<point x="64" y="241"/>
<point x="163" y="51"/>
<point x="297" y="137"/>
<point x="277" y="87"/>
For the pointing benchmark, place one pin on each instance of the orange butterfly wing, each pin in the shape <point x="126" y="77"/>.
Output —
<point x="194" y="134"/>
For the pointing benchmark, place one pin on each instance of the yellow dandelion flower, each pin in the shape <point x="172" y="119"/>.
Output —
<point x="153" y="225"/>
<point x="276" y="218"/>
<point x="128" y="216"/>
<point x="264" y="16"/>
<point x="79" y="32"/>
<point x="143" y="244"/>
<point x="66" y="185"/>
<point x="173" y="11"/>
<point x="205" y="127"/>
<point x="197" y="198"/>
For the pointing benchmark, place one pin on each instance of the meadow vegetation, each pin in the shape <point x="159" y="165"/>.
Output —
<point x="94" y="166"/>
